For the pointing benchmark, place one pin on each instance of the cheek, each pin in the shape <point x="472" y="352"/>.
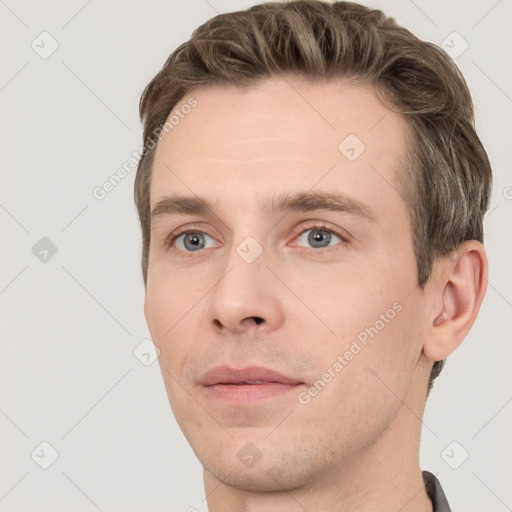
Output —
<point x="375" y="376"/>
<point x="168" y="306"/>
<point x="348" y="302"/>
<point x="376" y="343"/>
<point x="171" y="328"/>
<point x="170" y="296"/>
<point x="390" y="356"/>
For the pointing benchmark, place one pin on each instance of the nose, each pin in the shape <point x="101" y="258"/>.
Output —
<point x="245" y="297"/>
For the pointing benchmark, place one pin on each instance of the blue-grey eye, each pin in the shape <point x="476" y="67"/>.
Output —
<point x="319" y="238"/>
<point x="192" y="241"/>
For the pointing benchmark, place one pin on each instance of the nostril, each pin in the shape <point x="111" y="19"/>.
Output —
<point x="256" y="319"/>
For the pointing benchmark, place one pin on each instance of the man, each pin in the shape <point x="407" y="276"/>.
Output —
<point x="311" y="202"/>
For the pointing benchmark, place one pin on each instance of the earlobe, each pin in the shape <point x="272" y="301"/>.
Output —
<point x="461" y="287"/>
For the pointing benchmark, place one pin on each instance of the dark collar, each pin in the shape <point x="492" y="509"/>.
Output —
<point x="435" y="493"/>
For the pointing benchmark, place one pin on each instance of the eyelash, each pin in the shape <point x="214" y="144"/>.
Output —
<point x="317" y="227"/>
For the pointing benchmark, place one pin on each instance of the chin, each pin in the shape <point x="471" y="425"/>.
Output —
<point x="250" y="481"/>
<point x="273" y="468"/>
<point x="262" y="478"/>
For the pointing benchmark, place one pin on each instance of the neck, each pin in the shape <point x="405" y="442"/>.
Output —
<point x="385" y="476"/>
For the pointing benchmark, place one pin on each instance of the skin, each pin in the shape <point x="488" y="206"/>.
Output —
<point x="355" y="445"/>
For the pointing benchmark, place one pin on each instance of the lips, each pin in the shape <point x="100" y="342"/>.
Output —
<point x="246" y="387"/>
<point x="252" y="375"/>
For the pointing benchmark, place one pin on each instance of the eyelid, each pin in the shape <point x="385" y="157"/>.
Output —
<point x="321" y="225"/>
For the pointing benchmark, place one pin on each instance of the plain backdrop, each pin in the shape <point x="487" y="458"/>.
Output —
<point x="77" y="393"/>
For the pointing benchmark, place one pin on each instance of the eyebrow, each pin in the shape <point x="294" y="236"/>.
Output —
<point x="283" y="202"/>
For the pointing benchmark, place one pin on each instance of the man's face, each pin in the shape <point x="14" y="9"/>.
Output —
<point x="324" y="297"/>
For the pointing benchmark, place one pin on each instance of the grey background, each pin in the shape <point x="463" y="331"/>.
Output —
<point x="70" y="324"/>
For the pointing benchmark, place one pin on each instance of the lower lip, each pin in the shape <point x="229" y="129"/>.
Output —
<point x="248" y="394"/>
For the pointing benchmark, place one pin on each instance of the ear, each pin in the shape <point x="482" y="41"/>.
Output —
<point x="457" y="290"/>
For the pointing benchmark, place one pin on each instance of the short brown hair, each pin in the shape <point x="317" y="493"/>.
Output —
<point x="447" y="177"/>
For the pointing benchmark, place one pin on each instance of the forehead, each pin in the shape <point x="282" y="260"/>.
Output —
<point x="280" y="134"/>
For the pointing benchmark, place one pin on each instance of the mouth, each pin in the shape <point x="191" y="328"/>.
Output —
<point x="246" y="386"/>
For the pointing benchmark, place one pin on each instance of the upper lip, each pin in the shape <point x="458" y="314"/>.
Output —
<point x="251" y="374"/>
